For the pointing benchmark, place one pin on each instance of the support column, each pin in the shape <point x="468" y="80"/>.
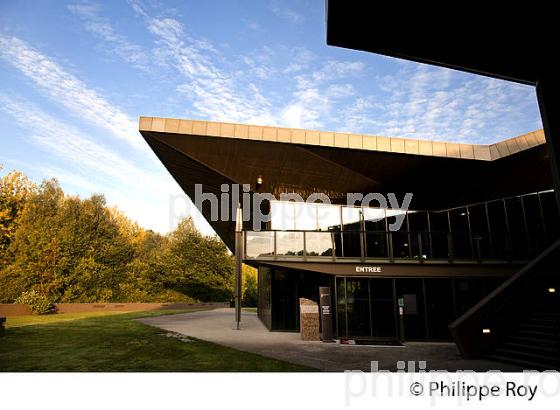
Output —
<point x="238" y="265"/>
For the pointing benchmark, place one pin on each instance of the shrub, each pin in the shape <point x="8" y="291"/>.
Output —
<point x="38" y="303"/>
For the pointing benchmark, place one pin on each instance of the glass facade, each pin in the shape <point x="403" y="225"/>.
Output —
<point x="372" y="307"/>
<point x="405" y="308"/>
<point x="516" y="228"/>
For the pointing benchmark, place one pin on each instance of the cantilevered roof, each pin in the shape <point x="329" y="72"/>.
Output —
<point x="440" y="175"/>
<point x="345" y="140"/>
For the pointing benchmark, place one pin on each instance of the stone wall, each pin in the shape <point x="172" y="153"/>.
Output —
<point x="309" y="320"/>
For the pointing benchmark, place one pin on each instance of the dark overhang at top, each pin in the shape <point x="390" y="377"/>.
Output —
<point x="507" y="41"/>
<point x="440" y="175"/>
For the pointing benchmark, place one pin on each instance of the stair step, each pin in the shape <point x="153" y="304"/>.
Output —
<point x="536" y="326"/>
<point x="530" y="339"/>
<point x="532" y="332"/>
<point x="525" y="364"/>
<point x="524" y="346"/>
<point x="530" y="357"/>
<point x="541" y="320"/>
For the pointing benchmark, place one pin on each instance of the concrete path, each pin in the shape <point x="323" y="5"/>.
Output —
<point x="218" y="326"/>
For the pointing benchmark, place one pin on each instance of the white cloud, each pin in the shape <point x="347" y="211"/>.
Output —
<point x="340" y="90"/>
<point x="70" y="144"/>
<point x="440" y="104"/>
<point x="280" y="9"/>
<point x="214" y="93"/>
<point x="66" y="89"/>
<point x="95" y="168"/>
<point x="102" y="28"/>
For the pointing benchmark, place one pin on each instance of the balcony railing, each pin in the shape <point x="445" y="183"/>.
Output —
<point x="419" y="246"/>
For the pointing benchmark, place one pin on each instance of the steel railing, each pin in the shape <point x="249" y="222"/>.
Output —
<point x="417" y="246"/>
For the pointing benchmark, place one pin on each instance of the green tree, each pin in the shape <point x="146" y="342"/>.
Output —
<point x="70" y="249"/>
<point x="14" y="191"/>
<point x="199" y="266"/>
<point x="250" y="288"/>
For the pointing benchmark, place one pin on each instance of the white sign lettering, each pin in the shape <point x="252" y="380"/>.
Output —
<point x="368" y="269"/>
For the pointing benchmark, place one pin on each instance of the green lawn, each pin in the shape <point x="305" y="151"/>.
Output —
<point x="108" y="342"/>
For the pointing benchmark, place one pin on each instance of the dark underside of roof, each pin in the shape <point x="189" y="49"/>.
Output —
<point x="513" y="42"/>
<point x="435" y="182"/>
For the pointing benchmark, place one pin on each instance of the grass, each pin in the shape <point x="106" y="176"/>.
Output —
<point x="109" y="342"/>
<point x="18" y="321"/>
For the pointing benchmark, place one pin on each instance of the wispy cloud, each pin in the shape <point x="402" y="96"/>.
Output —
<point x="213" y="92"/>
<point x="64" y="88"/>
<point x="71" y="145"/>
<point x="280" y="9"/>
<point x="87" y="165"/>
<point x="101" y="27"/>
<point x="436" y="103"/>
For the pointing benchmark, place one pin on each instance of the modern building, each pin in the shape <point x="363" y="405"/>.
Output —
<point x="479" y="214"/>
<point x="520" y="321"/>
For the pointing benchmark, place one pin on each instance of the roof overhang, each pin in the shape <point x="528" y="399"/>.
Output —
<point x="438" y="174"/>
<point x="507" y="42"/>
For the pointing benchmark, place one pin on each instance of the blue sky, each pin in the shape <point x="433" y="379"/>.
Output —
<point x="75" y="76"/>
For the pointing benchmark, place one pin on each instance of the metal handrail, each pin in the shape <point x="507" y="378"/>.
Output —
<point x="419" y="245"/>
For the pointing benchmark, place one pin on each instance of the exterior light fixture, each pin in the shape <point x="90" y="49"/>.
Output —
<point x="551" y="290"/>
<point x="259" y="182"/>
<point x="486" y="331"/>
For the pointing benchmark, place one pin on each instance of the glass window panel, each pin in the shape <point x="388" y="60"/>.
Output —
<point x="535" y="226"/>
<point x="411" y="294"/>
<point x="439" y="307"/>
<point x="351" y="244"/>
<point x="497" y="220"/>
<point x="289" y="243"/>
<point x="439" y="227"/>
<point x="282" y="215"/>
<point x="439" y="221"/>
<point x="440" y="245"/>
<point x="305" y="216"/>
<point x="374" y="219"/>
<point x="259" y="244"/>
<point x="460" y="233"/>
<point x="515" y="215"/>
<point x="357" y="292"/>
<point x="477" y="217"/>
<point x="401" y="247"/>
<point x="376" y="244"/>
<point x="551" y="216"/>
<point x="419" y="237"/>
<point x="328" y="217"/>
<point x="533" y="213"/>
<point x="418" y="220"/>
<point x="382" y="308"/>
<point x="517" y="235"/>
<point x="459" y="220"/>
<point x="318" y="244"/>
<point x="351" y="218"/>
<point x="341" y="307"/>
<point x="396" y="220"/>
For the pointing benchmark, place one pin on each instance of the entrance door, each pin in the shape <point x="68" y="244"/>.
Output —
<point x="358" y="307"/>
<point x="284" y="301"/>
<point x="410" y="293"/>
<point x="383" y="314"/>
<point x="365" y="308"/>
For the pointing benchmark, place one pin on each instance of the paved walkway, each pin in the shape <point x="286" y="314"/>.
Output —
<point x="218" y="326"/>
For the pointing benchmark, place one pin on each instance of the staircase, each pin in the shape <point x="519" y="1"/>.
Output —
<point x="534" y="343"/>
<point x="519" y="322"/>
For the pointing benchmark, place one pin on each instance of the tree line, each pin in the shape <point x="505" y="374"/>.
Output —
<point x="72" y="249"/>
